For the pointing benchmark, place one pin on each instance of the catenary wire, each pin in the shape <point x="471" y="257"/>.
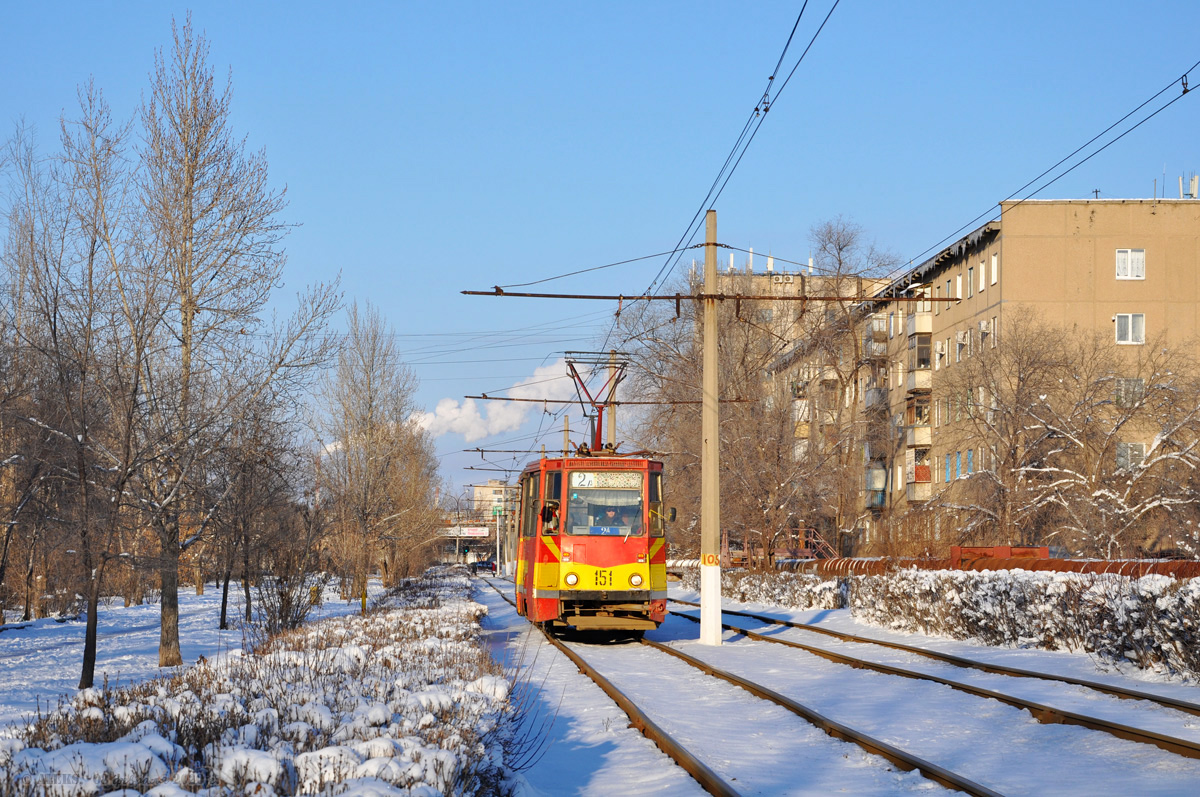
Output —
<point x="1063" y="160"/>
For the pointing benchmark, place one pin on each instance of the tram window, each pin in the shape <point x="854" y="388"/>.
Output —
<point x="551" y="502"/>
<point x="530" y="504"/>
<point x="553" y="485"/>
<point x="605" y="503"/>
<point x="656" y="507"/>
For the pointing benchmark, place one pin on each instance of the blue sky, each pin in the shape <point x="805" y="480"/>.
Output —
<point x="429" y="148"/>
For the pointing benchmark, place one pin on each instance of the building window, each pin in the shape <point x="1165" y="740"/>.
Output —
<point x="995" y="330"/>
<point x="957" y="464"/>
<point x="995" y="268"/>
<point x="917" y="411"/>
<point x="970" y="282"/>
<point x="918" y="352"/>
<point x="949" y="295"/>
<point x="958" y="286"/>
<point x="970" y="460"/>
<point x="891" y="325"/>
<point x="1130" y="455"/>
<point x="1131" y="328"/>
<point x="1128" y="391"/>
<point x="981" y="279"/>
<point x="947" y="468"/>
<point x="1131" y="264"/>
<point x="937" y="306"/>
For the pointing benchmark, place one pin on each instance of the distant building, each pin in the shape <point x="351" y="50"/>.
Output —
<point x="492" y="498"/>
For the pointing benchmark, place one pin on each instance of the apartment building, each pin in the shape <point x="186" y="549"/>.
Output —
<point x="1127" y="268"/>
<point x="493" y="498"/>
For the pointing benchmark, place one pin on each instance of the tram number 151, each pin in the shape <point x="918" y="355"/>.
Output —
<point x="604" y="578"/>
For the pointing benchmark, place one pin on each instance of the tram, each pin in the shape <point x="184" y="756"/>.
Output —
<point x="592" y="551"/>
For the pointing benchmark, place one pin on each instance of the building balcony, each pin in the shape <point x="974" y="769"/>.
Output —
<point x="876" y="329"/>
<point x="918" y="323"/>
<point x="875" y="398"/>
<point x="919" y="436"/>
<point x="918" y="380"/>
<point x="920" y="474"/>
<point x="919" y="491"/>
<point x="876" y="478"/>
<point x="875" y="349"/>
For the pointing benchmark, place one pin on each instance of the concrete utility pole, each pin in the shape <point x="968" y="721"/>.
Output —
<point x="710" y="455"/>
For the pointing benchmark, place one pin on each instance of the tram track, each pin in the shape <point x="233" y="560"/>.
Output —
<point x="714" y="783"/>
<point x="960" y="661"/>
<point x="1041" y="712"/>
<point x="710" y="781"/>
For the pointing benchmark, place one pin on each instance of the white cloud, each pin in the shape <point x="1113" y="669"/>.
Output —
<point x="452" y="416"/>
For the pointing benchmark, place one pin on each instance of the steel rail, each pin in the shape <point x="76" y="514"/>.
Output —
<point x="959" y="661"/>
<point x="837" y="730"/>
<point x="905" y="760"/>
<point x="1041" y="712"/>
<point x="711" y="782"/>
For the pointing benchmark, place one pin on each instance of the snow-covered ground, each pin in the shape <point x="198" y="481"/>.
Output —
<point x="403" y="701"/>
<point x="589" y="747"/>
<point x="576" y="741"/>
<point x="40" y="660"/>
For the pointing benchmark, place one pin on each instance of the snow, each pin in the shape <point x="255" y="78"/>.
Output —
<point x="378" y="718"/>
<point x="40" y="660"/>
<point x="588" y="746"/>
<point x="377" y="704"/>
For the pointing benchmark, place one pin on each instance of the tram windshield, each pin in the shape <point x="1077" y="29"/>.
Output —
<point x="605" y="503"/>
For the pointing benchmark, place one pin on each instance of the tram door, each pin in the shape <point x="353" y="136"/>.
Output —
<point x="531" y="490"/>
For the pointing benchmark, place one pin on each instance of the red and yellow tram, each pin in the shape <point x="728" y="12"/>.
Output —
<point x="592" y="547"/>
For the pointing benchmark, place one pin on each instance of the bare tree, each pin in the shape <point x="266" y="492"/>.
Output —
<point x="75" y="248"/>
<point x="788" y="440"/>
<point x="989" y="401"/>
<point x="1078" y="442"/>
<point x="214" y="233"/>
<point x="378" y="465"/>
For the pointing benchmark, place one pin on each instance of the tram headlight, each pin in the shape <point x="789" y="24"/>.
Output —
<point x="572" y="579"/>
<point x="636" y="579"/>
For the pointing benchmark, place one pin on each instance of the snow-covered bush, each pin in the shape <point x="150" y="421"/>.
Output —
<point x="794" y="590"/>
<point x="1152" y="622"/>
<point x="403" y="700"/>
